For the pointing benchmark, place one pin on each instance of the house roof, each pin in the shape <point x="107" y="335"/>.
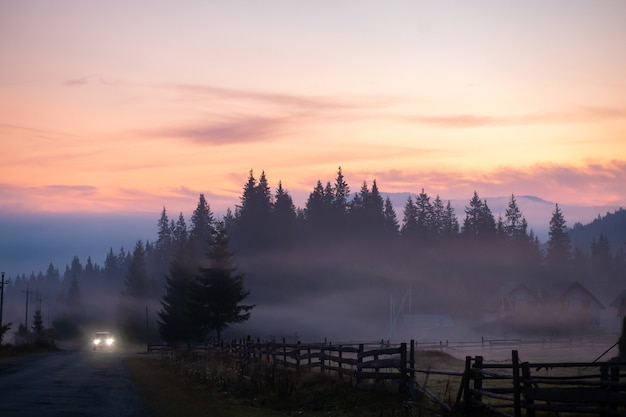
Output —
<point x="618" y="300"/>
<point x="578" y="287"/>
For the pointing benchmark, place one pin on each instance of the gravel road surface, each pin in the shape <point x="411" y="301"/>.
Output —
<point x="69" y="384"/>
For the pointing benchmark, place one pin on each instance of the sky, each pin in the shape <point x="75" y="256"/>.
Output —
<point x="129" y="106"/>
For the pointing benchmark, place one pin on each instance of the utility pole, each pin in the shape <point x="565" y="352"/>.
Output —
<point x="28" y="291"/>
<point x="1" y="301"/>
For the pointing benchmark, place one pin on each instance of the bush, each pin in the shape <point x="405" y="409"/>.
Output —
<point x="65" y="328"/>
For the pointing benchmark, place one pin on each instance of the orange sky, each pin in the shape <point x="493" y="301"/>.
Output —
<point x="109" y="106"/>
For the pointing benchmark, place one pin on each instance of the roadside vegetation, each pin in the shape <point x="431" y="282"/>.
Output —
<point x="221" y="387"/>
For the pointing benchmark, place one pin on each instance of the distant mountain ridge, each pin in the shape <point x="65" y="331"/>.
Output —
<point x="611" y="225"/>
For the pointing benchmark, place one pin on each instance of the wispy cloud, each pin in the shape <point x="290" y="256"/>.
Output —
<point x="233" y="130"/>
<point x="293" y="101"/>
<point x="75" y="82"/>
<point x="97" y="79"/>
<point x="582" y="115"/>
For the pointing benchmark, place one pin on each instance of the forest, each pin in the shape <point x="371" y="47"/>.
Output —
<point x="334" y="261"/>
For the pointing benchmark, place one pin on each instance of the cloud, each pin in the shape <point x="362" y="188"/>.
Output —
<point x="293" y="101"/>
<point x="99" y="79"/>
<point x="75" y="81"/>
<point x="581" y="115"/>
<point x="234" y="130"/>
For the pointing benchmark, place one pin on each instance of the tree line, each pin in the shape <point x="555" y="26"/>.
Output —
<point x="332" y="239"/>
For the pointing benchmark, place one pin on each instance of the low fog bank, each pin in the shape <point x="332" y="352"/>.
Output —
<point x="341" y="316"/>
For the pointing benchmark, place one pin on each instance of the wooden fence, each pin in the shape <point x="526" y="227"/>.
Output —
<point x="368" y="364"/>
<point x="511" y="389"/>
<point x="597" y="388"/>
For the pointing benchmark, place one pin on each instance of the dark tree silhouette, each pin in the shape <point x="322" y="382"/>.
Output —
<point x="390" y="220"/>
<point x="133" y="299"/>
<point x="37" y="322"/>
<point x="284" y="217"/>
<point x="559" y="248"/>
<point x="175" y="324"/>
<point x="479" y="221"/>
<point x="409" y="228"/>
<point x="218" y="291"/>
<point x="202" y="230"/>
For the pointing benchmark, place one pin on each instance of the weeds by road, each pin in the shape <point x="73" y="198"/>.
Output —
<point x="168" y="391"/>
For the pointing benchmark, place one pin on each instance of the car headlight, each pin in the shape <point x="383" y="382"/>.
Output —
<point x="110" y="341"/>
<point x="96" y="341"/>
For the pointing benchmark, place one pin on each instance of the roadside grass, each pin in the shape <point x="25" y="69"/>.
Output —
<point x="172" y="388"/>
<point x="169" y="393"/>
<point x="10" y="352"/>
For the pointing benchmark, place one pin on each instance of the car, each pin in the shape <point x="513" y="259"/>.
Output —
<point x="103" y="340"/>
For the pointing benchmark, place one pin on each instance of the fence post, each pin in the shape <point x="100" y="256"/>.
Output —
<point x="298" y="356"/>
<point x="359" y="361"/>
<point x="478" y="377"/>
<point x="614" y="378"/>
<point x="517" y="401"/>
<point x="403" y="367"/>
<point x="412" y="360"/>
<point x="527" y="384"/>
<point x="322" y="364"/>
<point x="284" y="353"/>
<point x="465" y="383"/>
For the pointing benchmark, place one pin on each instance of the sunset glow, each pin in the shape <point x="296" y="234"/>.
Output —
<point x="130" y="106"/>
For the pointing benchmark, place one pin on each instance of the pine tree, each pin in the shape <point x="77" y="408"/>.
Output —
<point x="111" y="267"/>
<point x="391" y="227"/>
<point x="515" y="226"/>
<point x="218" y="291"/>
<point x="164" y="235"/>
<point x="180" y="235"/>
<point x="479" y="221"/>
<point x="559" y="248"/>
<point x="450" y="222"/>
<point x="130" y="314"/>
<point x="423" y="216"/>
<point x="202" y="230"/>
<point x="175" y="325"/>
<point x="284" y="217"/>
<point x="137" y="283"/>
<point x="340" y="195"/>
<point x="357" y="213"/>
<point x="254" y="226"/>
<point x="438" y="217"/>
<point x="316" y="212"/>
<point x="409" y="221"/>
<point x="37" y="322"/>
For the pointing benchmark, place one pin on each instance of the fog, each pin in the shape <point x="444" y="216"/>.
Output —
<point x="339" y="291"/>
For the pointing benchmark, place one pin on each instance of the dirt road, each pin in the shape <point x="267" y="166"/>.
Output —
<point x="71" y="383"/>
